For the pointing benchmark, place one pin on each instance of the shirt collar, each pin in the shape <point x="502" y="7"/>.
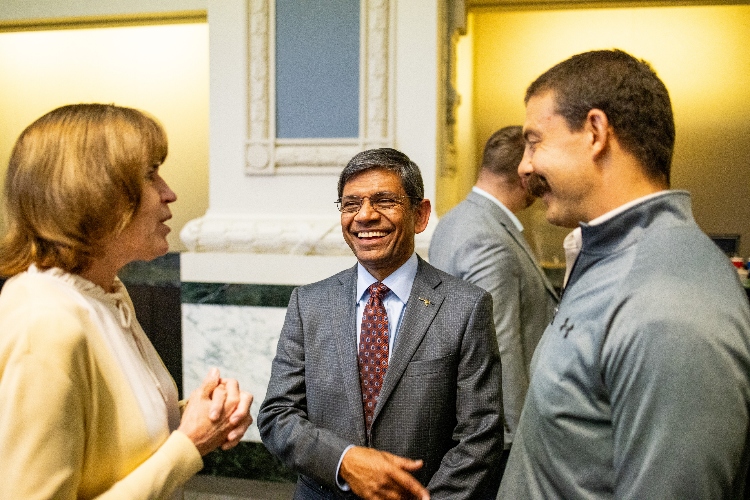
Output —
<point x="574" y="240"/>
<point x="399" y="281"/>
<point x="497" y="202"/>
<point x="622" y="208"/>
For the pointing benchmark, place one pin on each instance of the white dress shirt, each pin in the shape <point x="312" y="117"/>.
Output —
<point x="399" y="282"/>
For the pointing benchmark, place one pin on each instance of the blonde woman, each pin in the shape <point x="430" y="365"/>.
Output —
<point x="88" y="408"/>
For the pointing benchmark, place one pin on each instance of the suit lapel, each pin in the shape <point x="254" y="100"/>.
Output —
<point x="423" y="304"/>
<point x="344" y="323"/>
<point x="514" y="233"/>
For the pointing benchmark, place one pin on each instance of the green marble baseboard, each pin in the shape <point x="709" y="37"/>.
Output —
<point x="236" y="294"/>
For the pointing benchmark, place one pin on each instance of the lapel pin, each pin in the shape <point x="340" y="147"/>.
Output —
<point x="426" y="301"/>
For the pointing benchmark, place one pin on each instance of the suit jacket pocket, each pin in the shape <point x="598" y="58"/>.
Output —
<point x="426" y="366"/>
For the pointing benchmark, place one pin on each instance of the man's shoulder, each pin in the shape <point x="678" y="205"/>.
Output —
<point x="679" y="272"/>
<point x="679" y="246"/>
<point x="336" y="280"/>
<point x="450" y="283"/>
<point x="469" y="218"/>
<point x="314" y="293"/>
<point x="471" y="206"/>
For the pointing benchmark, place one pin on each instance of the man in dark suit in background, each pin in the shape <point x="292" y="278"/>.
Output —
<point x="386" y="380"/>
<point x="480" y="240"/>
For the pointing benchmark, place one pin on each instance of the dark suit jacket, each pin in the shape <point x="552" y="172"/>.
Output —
<point x="478" y="242"/>
<point x="441" y="399"/>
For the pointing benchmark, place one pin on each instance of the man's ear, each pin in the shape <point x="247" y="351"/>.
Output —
<point x="422" y="215"/>
<point x="597" y="124"/>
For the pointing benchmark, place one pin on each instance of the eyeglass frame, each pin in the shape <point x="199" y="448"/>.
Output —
<point x="386" y="194"/>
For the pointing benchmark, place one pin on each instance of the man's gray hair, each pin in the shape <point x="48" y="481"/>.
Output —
<point x="387" y="159"/>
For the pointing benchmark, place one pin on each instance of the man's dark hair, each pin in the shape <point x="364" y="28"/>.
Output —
<point x="388" y="159"/>
<point x="628" y="91"/>
<point x="503" y="152"/>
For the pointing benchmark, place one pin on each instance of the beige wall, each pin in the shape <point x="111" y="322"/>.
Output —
<point x="701" y="53"/>
<point x="162" y="69"/>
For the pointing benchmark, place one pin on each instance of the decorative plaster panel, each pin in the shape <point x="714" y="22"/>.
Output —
<point x="274" y="234"/>
<point x="297" y="235"/>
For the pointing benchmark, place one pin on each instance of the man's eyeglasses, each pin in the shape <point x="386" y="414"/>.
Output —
<point x="381" y="202"/>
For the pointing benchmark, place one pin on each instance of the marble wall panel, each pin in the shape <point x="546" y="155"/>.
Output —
<point x="239" y="340"/>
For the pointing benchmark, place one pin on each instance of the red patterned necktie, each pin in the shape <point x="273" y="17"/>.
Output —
<point x="373" y="350"/>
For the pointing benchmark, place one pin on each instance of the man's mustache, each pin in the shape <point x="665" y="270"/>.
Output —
<point x="537" y="185"/>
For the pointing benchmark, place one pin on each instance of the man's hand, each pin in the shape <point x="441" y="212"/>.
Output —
<point x="381" y="475"/>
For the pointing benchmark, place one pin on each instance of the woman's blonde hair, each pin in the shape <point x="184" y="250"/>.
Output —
<point x="75" y="177"/>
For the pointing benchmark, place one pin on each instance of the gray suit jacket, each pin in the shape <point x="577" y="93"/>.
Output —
<point x="440" y="400"/>
<point x="478" y="242"/>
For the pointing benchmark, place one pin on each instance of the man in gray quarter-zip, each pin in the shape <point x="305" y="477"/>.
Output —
<point x="640" y="386"/>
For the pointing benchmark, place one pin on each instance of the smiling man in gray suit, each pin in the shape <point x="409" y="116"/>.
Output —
<point x="480" y="240"/>
<point x="386" y="380"/>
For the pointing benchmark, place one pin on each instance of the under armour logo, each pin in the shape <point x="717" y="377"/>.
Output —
<point x="566" y="328"/>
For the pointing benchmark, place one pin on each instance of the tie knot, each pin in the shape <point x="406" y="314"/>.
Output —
<point x="378" y="289"/>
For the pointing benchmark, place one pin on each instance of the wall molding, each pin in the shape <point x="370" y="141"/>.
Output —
<point x="265" y="234"/>
<point x="274" y="234"/>
<point x="267" y="155"/>
<point x="103" y="21"/>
